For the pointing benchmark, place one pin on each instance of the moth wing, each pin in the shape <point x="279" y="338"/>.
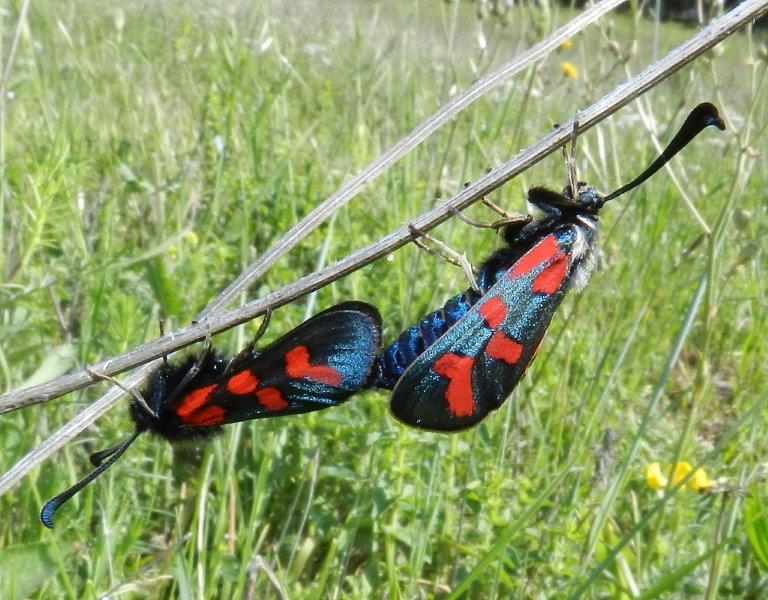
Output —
<point x="320" y="363"/>
<point x="476" y="364"/>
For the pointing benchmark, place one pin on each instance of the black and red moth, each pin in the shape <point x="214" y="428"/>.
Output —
<point x="463" y="360"/>
<point x="319" y="364"/>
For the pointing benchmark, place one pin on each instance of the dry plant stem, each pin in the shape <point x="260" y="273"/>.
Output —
<point x="284" y="245"/>
<point x="382" y="164"/>
<point x="259" y="564"/>
<point x="683" y="54"/>
<point x="470" y="193"/>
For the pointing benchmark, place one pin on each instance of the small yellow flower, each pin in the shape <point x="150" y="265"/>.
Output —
<point x="191" y="238"/>
<point x="569" y="70"/>
<point x="656" y="481"/>
<point x="680" y="471"/>
<point x="700" y="481"/>
<point x="173" y="253"/>
<point x="566" y="44"/>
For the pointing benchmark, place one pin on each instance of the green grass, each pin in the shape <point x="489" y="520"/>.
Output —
<point x="152" y="151"/>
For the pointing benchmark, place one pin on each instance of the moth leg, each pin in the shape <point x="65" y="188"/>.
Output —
<point x="248" y="348"/>
<point x="193" y="370"/>
<point x="445" y="252"/>
<point x="161" y="327"/>
<point x="498" y="224"/>
<point x="507" y="218"/>
<point x="202" y="357"/>
<point x="570" y="161"/>
<point x="138" y="397"/>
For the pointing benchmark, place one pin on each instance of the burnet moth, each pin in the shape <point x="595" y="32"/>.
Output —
<point x="319" y="364"/>
<point x="463" y="360"/>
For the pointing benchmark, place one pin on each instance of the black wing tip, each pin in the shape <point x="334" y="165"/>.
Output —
<point x="355" y="306"/>
<point x="434" y="427"/>
<point x="449" y="425"/>
<point x="369" y="311"/>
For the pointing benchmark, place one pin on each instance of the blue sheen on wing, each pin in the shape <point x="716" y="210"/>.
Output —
<point x="397" y="357"/>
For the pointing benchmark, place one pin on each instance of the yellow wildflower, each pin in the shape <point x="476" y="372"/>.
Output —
<point x="569" y="70"/>
<point x="700" y="481"/>
<point x="680" y="471"/>
<point x="566" y="44"/>
<point x="656" y="481"/>
<point x="191" y="238"/>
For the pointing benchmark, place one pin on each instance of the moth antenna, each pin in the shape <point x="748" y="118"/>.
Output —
<point x="50" y="508"/>
<point x="701" y="117"/>
<point x="98" y="457"/>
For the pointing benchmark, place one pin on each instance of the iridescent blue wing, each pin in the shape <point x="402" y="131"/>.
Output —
<point x="320" y="363"/>
<point x="476" y="364"/>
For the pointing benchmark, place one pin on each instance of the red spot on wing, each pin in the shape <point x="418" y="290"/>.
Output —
<point x="297" y="366"/>
<point x="549" y="280"/>
<point x="493" y="311"/>
<point x="193" y="401"/>
<point x="271" y="399"/>
<point x="503" y="348"/>
<point x="193" y="412"/>
<point x="210" y="415"/>
<point x="545" y="250"/>
<point x="458" y="370"/>
<point x="243" y="383"/>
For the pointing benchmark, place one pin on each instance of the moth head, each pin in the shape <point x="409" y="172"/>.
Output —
<point x="587" y="200"/>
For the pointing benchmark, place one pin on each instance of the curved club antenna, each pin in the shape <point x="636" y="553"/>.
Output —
<point x="50" y="508"/>
<point x="701" y="117"/>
